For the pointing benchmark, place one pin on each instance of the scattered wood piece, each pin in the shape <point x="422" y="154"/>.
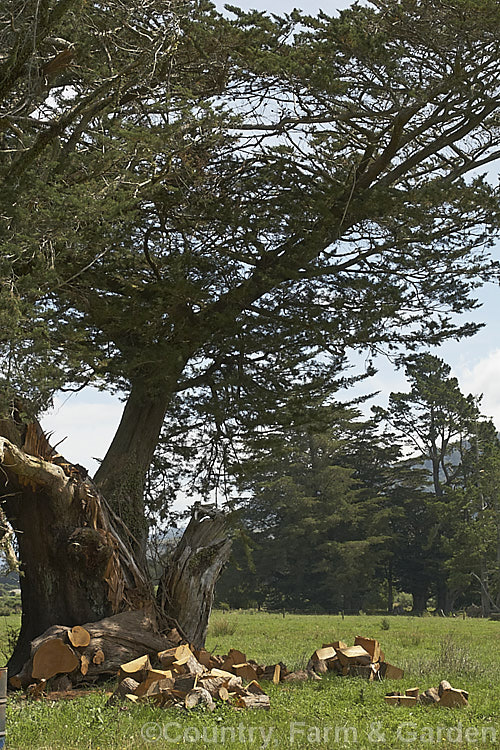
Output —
<point x="99" y="657"/>
<point x="429" y="696"/>
<point x="254" y="687"/>
<point x="369" y="644"/>
<point x="254" y="701"/>
<point x="36" y="690"/>
<point x="54" y="657"/>
<point x="412" y="691"/>
<point x="84" y="664"/>
<point x="408" y="700"/>
<point x="443" y="685"/>
<point x="353" y="655"/>
<point x="199" y="697"/>
<point x="126" y="686"/>
<point x="79" y="636"/>
<point x="277" y="674"/>
<point x="223" y="694"/>
<point x="390" y="672"/>
<point x="245" y="671"/>
<point x="137" y="669"/>
<point x="452" y="698"/>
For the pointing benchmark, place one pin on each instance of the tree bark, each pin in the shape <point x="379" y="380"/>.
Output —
<point x="186" y="588"/>
<point x="121" y="475"/>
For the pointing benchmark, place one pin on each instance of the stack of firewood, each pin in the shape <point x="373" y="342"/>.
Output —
<point x="193" y="677"/>
<point x="364" y="659"/>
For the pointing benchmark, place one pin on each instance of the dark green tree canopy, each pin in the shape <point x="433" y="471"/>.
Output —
<point x="192" y="191"/>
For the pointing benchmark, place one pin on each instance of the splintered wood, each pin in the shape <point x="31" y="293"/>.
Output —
<point x="444" y="695"/>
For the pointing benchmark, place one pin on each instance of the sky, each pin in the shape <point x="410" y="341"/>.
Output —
<point x="88" y="420"/>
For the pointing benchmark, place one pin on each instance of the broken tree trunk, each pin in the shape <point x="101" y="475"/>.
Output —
<point x="186" y="588"/>
<point x="78" y="562"/>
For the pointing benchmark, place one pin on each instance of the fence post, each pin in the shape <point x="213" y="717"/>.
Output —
<point x="3" y="704"/>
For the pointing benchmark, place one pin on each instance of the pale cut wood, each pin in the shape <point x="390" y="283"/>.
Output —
<point x="79" y="637"/>
<point x="223" y="694"/>
<point x="277" y="674"/>
<point x="369" y="644"/>
<point x="322" y="654"/>
<point x="353" y="655"/>
<point x="54" y="657"/>
<point x="137" y="668"/>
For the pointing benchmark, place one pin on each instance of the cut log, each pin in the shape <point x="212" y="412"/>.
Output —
<point x="137" y="669"/>
<point x="245" y="671"/>
<point x="54" y="657"/>
<point x="199" y="697"/>
<point x="211" y="683"/>
<point x="412" y="691"/>
<point x="277" y="674"/>
<point x="233" y="657"/>
<point x="443" y="685"/>
<point x="353" y="655"/>
<point x="392" y="700"/>
<point x="254" y="701"/>
<point x="322" y="654"/>
<point x="79" y="636"/>
<point x="431" y="695"/>
<point x="369" y="644"/>
<point x="408" y="700"/>
<point x="255" y="688"/>
<point x="205" y="658"/>
<point x="335" y="645"/>
<point x="452" y="698"/>
<point x="154" y="675"/>
<point x="223" y="694"/>
<point x="186" y="682"/>
<point x="390" y="672"/>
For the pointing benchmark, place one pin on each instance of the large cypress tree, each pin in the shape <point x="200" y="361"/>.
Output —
<point x="188" y="199"/>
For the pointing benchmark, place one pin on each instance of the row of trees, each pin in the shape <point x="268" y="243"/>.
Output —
<point x="206" y="212"/>
<point x="337" y="516"/>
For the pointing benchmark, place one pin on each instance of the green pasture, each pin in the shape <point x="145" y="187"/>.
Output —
<point x="336" y="712"/>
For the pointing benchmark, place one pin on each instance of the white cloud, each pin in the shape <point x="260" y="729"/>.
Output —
<point x="484" y="377"/>
<point x="88" y="421"/>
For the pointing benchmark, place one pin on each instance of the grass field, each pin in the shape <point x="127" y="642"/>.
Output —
<point x="334" y="713"/>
